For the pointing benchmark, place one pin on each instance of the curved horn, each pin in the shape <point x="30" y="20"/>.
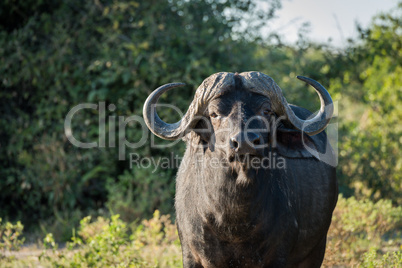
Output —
<point x="203" y="95"/>
<point x="158" y="126"/>
<point x="319" y="122"/>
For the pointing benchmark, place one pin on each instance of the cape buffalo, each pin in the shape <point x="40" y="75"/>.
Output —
<point x="253" y="189"/>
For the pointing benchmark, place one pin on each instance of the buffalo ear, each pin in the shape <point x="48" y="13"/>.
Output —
<point x="295" y="144"/>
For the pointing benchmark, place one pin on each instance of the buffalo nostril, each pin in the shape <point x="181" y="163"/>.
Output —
<point x="245" y="142"/>
<point x="256" y="141"/>
<point x="254" y="138"/>
<point x="234" y="143"/>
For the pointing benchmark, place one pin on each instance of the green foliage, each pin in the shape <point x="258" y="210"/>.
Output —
<point x="152" y="188"/>
<point x="106" y="243"/>
<point x="359" y="227"/>
<point x="10" y="235"/>
<point x="370" y="147"/>
<point x="362" y="234"/>
<point x="372" y="260"/>
<point x="49" y="242"/>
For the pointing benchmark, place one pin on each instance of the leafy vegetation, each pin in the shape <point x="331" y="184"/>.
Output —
<point x="363" y="231"/>
<point x="362" y="234"/>
<point x="370" y="147"/>
<point x="10" y="235"/>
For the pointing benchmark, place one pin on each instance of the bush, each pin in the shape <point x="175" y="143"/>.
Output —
<point x="10" y="235"/>
<point x="360" y="226"/>
<point x="362" y="234"/>
<point x="108" y="242"/>
<point x="372" y="260"/>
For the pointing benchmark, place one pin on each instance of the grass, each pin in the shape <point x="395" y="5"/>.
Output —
<point x="362" y="234"/>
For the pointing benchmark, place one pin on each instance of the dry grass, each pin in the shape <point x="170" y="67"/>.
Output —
<point x="362" y="234"/>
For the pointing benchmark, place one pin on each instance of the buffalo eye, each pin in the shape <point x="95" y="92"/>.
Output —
<point x="267" y="112"/>
<point x="213" y="115"/>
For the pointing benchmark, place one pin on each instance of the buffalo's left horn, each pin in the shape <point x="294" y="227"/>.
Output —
<point x="158" y="126"/>
<point x="320" y="121"/>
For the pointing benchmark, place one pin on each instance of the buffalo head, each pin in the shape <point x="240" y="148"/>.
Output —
<point x="239" y="115"/>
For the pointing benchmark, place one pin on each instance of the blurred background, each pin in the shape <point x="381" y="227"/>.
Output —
<point x="55" y="55"/>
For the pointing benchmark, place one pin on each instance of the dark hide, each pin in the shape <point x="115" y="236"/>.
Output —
<point x="231" y="215"/>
